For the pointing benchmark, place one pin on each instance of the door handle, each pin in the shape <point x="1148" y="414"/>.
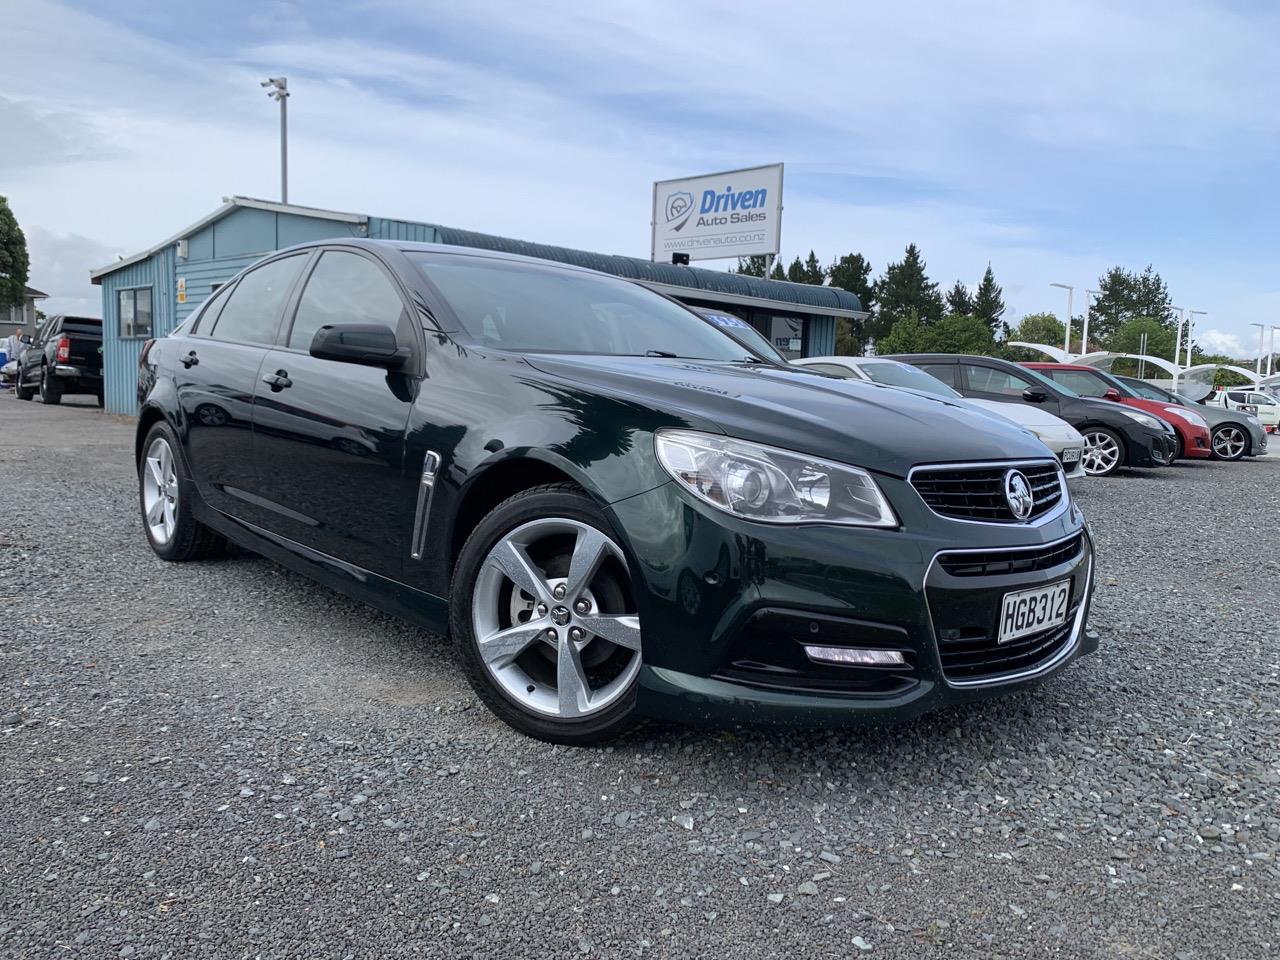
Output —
<point x="190" y="360"/>
<point x="277" y="381"/>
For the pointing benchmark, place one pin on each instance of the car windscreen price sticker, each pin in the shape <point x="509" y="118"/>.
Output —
<point x="1030" y="611"/>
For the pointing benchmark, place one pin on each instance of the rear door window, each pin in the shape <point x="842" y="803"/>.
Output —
<point x="948" y="373"/>
<point x="990" y="380"/>
<point x="252" y="314"/>
<point x="1082" y="383"/>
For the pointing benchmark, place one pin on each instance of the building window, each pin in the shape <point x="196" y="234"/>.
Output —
<point x="135" y="312"/>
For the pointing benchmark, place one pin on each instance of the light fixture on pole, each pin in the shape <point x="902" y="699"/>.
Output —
<point x="1191" y="322"/>
<point x="1262" y="333"/>
<point x="1272" y="351"/>
<point x="279" y="90"/>
<point x="1066" y="343"/>
<point x="1088" y="308"/>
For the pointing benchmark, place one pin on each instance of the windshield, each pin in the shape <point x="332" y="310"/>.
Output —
<point x="902" y="375"/>
<point x="536" y="308"/>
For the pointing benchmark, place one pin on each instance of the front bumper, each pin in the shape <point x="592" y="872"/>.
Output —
<point x="728" y="606"/>
<point x="1146" y="448"/>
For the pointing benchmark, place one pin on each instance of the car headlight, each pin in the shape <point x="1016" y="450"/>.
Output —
<point x="1144" y="418"/>
<point x="1192" y="418"/>
<point x="773" y="486"/>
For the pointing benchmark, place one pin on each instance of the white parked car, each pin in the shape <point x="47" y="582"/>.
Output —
<point x="1263" y="405"/>
<point x="1059" y="436"/>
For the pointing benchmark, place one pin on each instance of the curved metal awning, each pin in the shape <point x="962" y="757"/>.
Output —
<point x="1057" y="354"/>
<point x="1102" y="360"/>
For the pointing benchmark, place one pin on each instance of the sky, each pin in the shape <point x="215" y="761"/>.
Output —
<point x="1051" y="140"/>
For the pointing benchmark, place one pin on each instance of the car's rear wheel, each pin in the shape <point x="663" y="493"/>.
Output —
<point x="544" y="617"/>
<point x="1229" y="442"/>
<point x="50" y="388"/>
<point x="1103" y="452"/>
<point x="164" y="497"/>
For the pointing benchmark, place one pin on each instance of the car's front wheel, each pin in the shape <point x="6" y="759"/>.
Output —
<point x="1103" y="452"/>
<point x="1229" y="442"/>
<point x="544" y="617"/>
<point x="164" y="497"/>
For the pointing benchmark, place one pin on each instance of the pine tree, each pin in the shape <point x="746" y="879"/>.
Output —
<point x="814" y="273"/>
<point x="1126" y="296"/>
<point x="958" y="300"/>
<point x="796" y="272"/>
<point x="14" y="262"/>
<point x="777" y="273"/>
<point x="905" y="287"/>
<point x="755" y="265"/>
<point x="852" y="272"/>
<point x="988" y="302"/>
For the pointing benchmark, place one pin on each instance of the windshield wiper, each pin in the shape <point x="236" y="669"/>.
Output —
<point x="662" y="353"/>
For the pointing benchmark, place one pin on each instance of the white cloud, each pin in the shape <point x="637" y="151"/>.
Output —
<point x="1228" y="344"/>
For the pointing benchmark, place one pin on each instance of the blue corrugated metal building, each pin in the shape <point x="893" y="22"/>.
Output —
<point x="150" y="293"/>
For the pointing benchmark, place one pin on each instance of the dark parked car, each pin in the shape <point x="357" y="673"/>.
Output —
<point x="65" y="356"/>
<point x="1114" y="436"/>
<point x="744" y="333"/>
<point x="1235" y="433"/>
<point x="611" y="510"/>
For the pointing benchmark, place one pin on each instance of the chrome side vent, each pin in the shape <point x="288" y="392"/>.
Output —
<point x="430" y="464"/>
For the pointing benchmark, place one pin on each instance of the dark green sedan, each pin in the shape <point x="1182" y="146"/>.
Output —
<point x="612" y="507"/>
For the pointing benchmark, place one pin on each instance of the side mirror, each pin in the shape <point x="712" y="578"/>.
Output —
<point x="25" y="338"/>
<point x="368" y="344"/>
<point x="1112" y="394"/>
<point x="1035" y="394"/>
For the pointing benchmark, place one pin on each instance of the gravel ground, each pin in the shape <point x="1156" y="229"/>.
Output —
<point x="225" y="760"/>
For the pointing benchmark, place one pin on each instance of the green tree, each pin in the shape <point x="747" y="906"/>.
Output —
<point x="951" y="334"/>
<point x="959" y="301"/>
<point x="904" y="289"/>
<point x="852" y="272"/>
<point x="1128" y="338"/>
<point x="14" y="262"/>
<point x="796" y="272"/>
<point x="755" y="265"/>
<point x="988" y="303"/>
<point x="1124" y="296"/>
<point x="777" y="273"/>
<point x="813" y="270"/>
<point x="1034" y="328"/>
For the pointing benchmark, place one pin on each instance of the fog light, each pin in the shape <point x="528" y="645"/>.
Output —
<point x="855" y="656"/>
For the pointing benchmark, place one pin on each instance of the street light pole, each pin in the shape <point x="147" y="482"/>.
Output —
<point x="1088" y="309"/>
<point x="1177" y="340"/>
<point x="280" y="91"/>
<point x="1272" y="351"/>
<point x="1066" y="344"/>
<point x="1191" y="322"/>
<point x="1262" y="332"/>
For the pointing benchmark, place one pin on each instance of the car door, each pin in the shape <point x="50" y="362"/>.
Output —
<point x="328" y="435"/>
<point x="31" y="360"/>
<point x="215" y="375"/>
<point x="999" y="383"/>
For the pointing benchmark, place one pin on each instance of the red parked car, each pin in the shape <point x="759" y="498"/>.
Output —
<point x="1192" y="429"/>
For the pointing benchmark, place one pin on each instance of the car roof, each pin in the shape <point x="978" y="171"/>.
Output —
<point x="407" y="246"/>
<point x="1044" y="364"/>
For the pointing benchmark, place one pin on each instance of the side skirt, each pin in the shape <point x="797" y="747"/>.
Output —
<point x="417" y="606"/>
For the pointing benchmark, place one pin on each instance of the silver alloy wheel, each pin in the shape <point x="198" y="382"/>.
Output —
<point x="1101" y="453"/>
<point x="160" y="491"/>
<point x="544" y="662"/>
<point x="1229" y="442"/>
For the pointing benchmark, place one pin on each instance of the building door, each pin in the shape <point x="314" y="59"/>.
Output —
<point x="329" y="436"/>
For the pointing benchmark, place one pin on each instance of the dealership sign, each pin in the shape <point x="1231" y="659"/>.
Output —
<point x="721" y="215"/>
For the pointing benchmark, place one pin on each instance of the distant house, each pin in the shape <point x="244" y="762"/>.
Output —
<point x="21" y="318"/>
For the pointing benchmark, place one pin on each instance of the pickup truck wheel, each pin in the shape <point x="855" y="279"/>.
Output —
<point x="24" y="393"/>
<point x="102" y="400"/>
<point x="164" y="497"/>
<point x="544" y="618"/>
<point x="50" y="388"/>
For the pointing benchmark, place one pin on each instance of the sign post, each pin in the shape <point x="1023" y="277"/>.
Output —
<point x="718" y="216"/>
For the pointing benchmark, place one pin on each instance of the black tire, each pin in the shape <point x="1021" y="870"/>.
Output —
<point x="556" y="500"/>
<point x="102" y="400"/>
<point x="50" y="388"/>
<point x="1179" y="449"/>
<point x="24" y="393"/>
<point x="1104" y="433"/>
<point x="191" y="540"/>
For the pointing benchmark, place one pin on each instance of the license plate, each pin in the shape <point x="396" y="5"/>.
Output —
<point x="1030" y="611"/>
<point x="1071" y="455"/>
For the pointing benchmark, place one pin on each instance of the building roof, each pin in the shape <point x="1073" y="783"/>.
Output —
<point x="228" y="204"/>
<point x="720" y="286"/>
<point x="32" y="293"/>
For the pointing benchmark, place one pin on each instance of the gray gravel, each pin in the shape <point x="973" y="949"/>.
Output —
<point x="224" y="760"/>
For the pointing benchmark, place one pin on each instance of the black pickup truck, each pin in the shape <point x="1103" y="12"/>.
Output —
<point x="65" y="357"/>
